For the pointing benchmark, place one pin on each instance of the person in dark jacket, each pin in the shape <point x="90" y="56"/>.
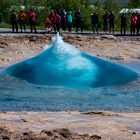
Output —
<point x="123" y="23"/>
<point x="78" y="17"/>
<point x="111" y="19"/>
<point x="63" y="16"/>
<point x="105" y="22"/>
<point x="94" y="22"/>
<point x="14" y="21"/>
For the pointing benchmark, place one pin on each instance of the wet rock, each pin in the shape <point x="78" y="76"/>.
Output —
<point x="63" y="132"/>
<point x="85" y="137"/>
<point x="134" y="133"/>
<point x="32" y="38"/>
<point x="5" y="138"/>
<point x="24" y="120"/>
<point x="102" y="113"/>
<point x="47" y="132"/>
<point x="66" y="134"/>
<point x="3" y="44"/>
<point x="96" y="137"/>
<point x="27" y="133"/>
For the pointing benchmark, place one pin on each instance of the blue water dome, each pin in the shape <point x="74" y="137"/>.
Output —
<point x="61" y="64"/>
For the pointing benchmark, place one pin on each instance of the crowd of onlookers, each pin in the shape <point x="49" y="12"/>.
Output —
<point x="109" y="22"/>
<point x="64" y="20"/>
<point x="21" y="19"/>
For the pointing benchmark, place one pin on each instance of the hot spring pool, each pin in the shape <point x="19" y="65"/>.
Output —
<point x="18" y="95"/>
<point x="64" y="78"/>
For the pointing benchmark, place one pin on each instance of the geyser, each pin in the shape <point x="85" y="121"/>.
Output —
<point x="61" y="64"/>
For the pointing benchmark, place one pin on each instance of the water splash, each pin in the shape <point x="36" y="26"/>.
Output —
<point x="61" y="64"/>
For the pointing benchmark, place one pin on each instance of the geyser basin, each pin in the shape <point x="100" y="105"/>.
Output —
<point x="54" y="81"/>
<point x="64" y="65"/>
<point x="18" y="95"/>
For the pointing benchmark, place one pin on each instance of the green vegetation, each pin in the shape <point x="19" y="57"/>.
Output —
<point x="43" y="8"/>
<point x="134" y="4"/>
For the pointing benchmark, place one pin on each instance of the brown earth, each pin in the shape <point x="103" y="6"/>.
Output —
<point x="14" y="48"/>
<point x="96" y="125"/>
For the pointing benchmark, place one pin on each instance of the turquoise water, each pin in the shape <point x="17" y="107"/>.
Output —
<point x="18" y="95"/>
<point x="64" y="78"/>
<point x="61" y="64"/>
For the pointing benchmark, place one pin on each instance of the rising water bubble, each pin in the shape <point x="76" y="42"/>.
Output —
<point x="61" y="64"/>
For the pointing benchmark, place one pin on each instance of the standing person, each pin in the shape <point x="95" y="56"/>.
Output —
<point x="123" y="23"/>
<point x="21" y="19"/>
<point x="138" y="23"/>
<point x="52" y="18"/>
<point x="133" y="23"/>
<point x="58" y="22"/>
<point x="111" y="22"/>
<point x="48" y="25"/>
<point x="78" y="17"/>
<point x="14" y="21"/>
<point x="69" y="20"/>
<point x="105" y="22"/>
<point x="63" y="15"/>
<point x="94" y="22"/>
<point x="32" y="20"/>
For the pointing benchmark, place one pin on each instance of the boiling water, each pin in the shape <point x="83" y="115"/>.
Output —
<point x="63" y="78"/>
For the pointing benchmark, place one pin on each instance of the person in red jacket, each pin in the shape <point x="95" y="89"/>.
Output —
<point x="32" y="20"/>
<point x="134" y="20"/>
<point x="56" y="20"/>
<point x="21" y="19"/>
<point x="52" y="18"/>
<point x="138" y="23"/>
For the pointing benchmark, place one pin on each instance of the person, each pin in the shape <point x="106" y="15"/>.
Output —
<point x="63" y="16"/>
<point x="52" y="18"/>
<point x="69" y="21"/>
<point x="32" y="20"/>
<point x="105" y="22"/>
<point x="123" y="23"/>
<point x="94" y="22"/>
<point x="58" y="22"/>
<point x="78" y="17"/>
<point x="138" y="23"/>
<point x="111" y="19"/>
<point x="21" y="20"/>
<point x="48" y="25"/>
<point x="14" y="21"/>
<point x="133" y="23"/>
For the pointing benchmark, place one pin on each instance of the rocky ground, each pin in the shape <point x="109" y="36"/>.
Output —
<point x="17" y="47"/>
<point x="94" y="125"/>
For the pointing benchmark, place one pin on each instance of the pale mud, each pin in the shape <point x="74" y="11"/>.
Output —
<point x="94" y="125"/>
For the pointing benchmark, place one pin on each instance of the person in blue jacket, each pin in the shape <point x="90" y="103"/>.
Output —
<point x="69" y="21"/>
